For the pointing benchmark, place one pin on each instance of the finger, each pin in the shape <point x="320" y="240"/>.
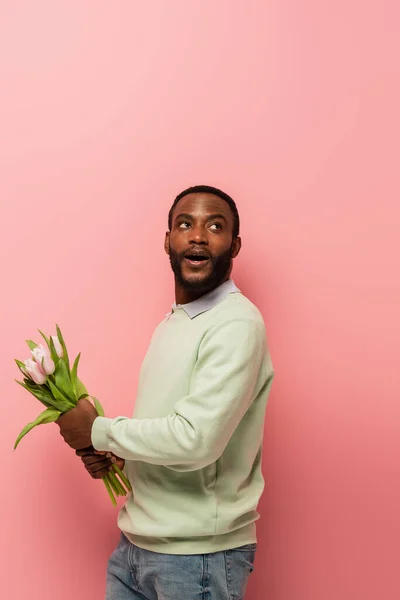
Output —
<point x="85" y="451"/>
<point x="97" y="468"/>
<point x="99" y="474"/>
<point x="94" y="462"/>
<point x="93" y="470"/>
<point x="92" y="452"/>
<point x="96" y="457"/>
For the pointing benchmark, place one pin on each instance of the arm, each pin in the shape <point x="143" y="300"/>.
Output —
<point x="196" y="434"/>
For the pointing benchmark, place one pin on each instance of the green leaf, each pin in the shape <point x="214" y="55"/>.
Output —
<point x="74" y="375"/>
<point x="63" y="382"/>
<point x="98" y="406"/>
<point x="47" y="416"/>
<point x="43" y="394"/>
<point x="41" y="389"/>
<point x="37" y="393"/>
<point x="31" y="344"/>
<point x="22" y="371"/>
<point x="60" y="401"/>
<point x="64" y="347"/>
<point x="46" y="339"/>
<point x="81" y="391"/>
<point x="21" y="367"/>
<point x="53" y="352"/>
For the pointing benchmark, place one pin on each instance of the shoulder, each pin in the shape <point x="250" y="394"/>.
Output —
<point x="236" y="313"/>
<point x="235" y="307"/>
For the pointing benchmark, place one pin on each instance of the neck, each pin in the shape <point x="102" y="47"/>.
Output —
<point x="184" y="296"/>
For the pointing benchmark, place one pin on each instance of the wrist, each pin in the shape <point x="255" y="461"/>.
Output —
<point x="100" y="433"/>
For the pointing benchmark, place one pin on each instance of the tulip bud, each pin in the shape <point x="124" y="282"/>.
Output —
<point x="57" y="346"/>
<point x="41" y="355"/>
<point x="33" y="371"/>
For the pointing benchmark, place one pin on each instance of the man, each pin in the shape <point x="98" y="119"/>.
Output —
<point x="193" y="447"/>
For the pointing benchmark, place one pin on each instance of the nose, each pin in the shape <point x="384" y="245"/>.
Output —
<point x="198" y="235"/>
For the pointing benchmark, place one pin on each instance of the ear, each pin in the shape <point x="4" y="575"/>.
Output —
<point x="166" y="243"/>
<point x="236" y="245"/>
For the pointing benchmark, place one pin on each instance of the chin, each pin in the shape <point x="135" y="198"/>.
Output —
<point x="197" y="282"/>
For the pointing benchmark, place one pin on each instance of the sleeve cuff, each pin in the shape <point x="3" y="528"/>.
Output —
<point x="100" y="433"/>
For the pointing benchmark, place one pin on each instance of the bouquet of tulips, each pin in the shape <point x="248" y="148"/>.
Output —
<point x="49" y="377"/>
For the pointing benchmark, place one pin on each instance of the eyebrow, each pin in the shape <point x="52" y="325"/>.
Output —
<point x="190" y="217"/>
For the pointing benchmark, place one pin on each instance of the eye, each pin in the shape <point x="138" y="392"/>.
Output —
<point x="182" y="224"/>
<point x="218" y="226"/>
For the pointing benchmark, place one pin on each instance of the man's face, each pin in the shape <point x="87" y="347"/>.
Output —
<point x="200" y="244"/>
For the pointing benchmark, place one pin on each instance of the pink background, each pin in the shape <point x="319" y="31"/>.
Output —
<point x="107" y="110"/>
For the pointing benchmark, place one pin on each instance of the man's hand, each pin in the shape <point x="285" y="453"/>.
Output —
<point x="97" y="463"/>
<point x="76" y="425"/>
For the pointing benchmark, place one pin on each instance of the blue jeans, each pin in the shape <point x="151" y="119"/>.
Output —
<point x="136" y="574"/>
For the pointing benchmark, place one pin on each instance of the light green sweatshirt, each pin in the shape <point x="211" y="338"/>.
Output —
<point x="193" y="447"/>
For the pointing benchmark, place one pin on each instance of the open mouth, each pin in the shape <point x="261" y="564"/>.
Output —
<point x="197" y="260"/>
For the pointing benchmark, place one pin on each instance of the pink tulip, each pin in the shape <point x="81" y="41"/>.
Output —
<point x="41" y="355"/>
<point x="58" y="347"/>
<point x="33" y="371"/>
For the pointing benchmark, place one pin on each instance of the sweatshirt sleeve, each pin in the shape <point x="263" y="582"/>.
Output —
<point x="222" y="388"/>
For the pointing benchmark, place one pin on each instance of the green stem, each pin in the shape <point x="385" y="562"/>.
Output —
<point x="107" y="484"/>
<point x="114" y="485"/>
<point x="122" y="477"/>
<point x="121" y="487"/>
<point x="118" y="486"/>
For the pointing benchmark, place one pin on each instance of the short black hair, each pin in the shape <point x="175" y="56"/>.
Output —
<point x="208" y="189"/>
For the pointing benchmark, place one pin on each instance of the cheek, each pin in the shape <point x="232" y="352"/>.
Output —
<point x="221" y="245"/>
<point x="178" y="241"/>
<point x="174" y="238"/>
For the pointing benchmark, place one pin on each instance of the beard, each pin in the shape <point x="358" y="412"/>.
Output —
<point x="221" y="266"/>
